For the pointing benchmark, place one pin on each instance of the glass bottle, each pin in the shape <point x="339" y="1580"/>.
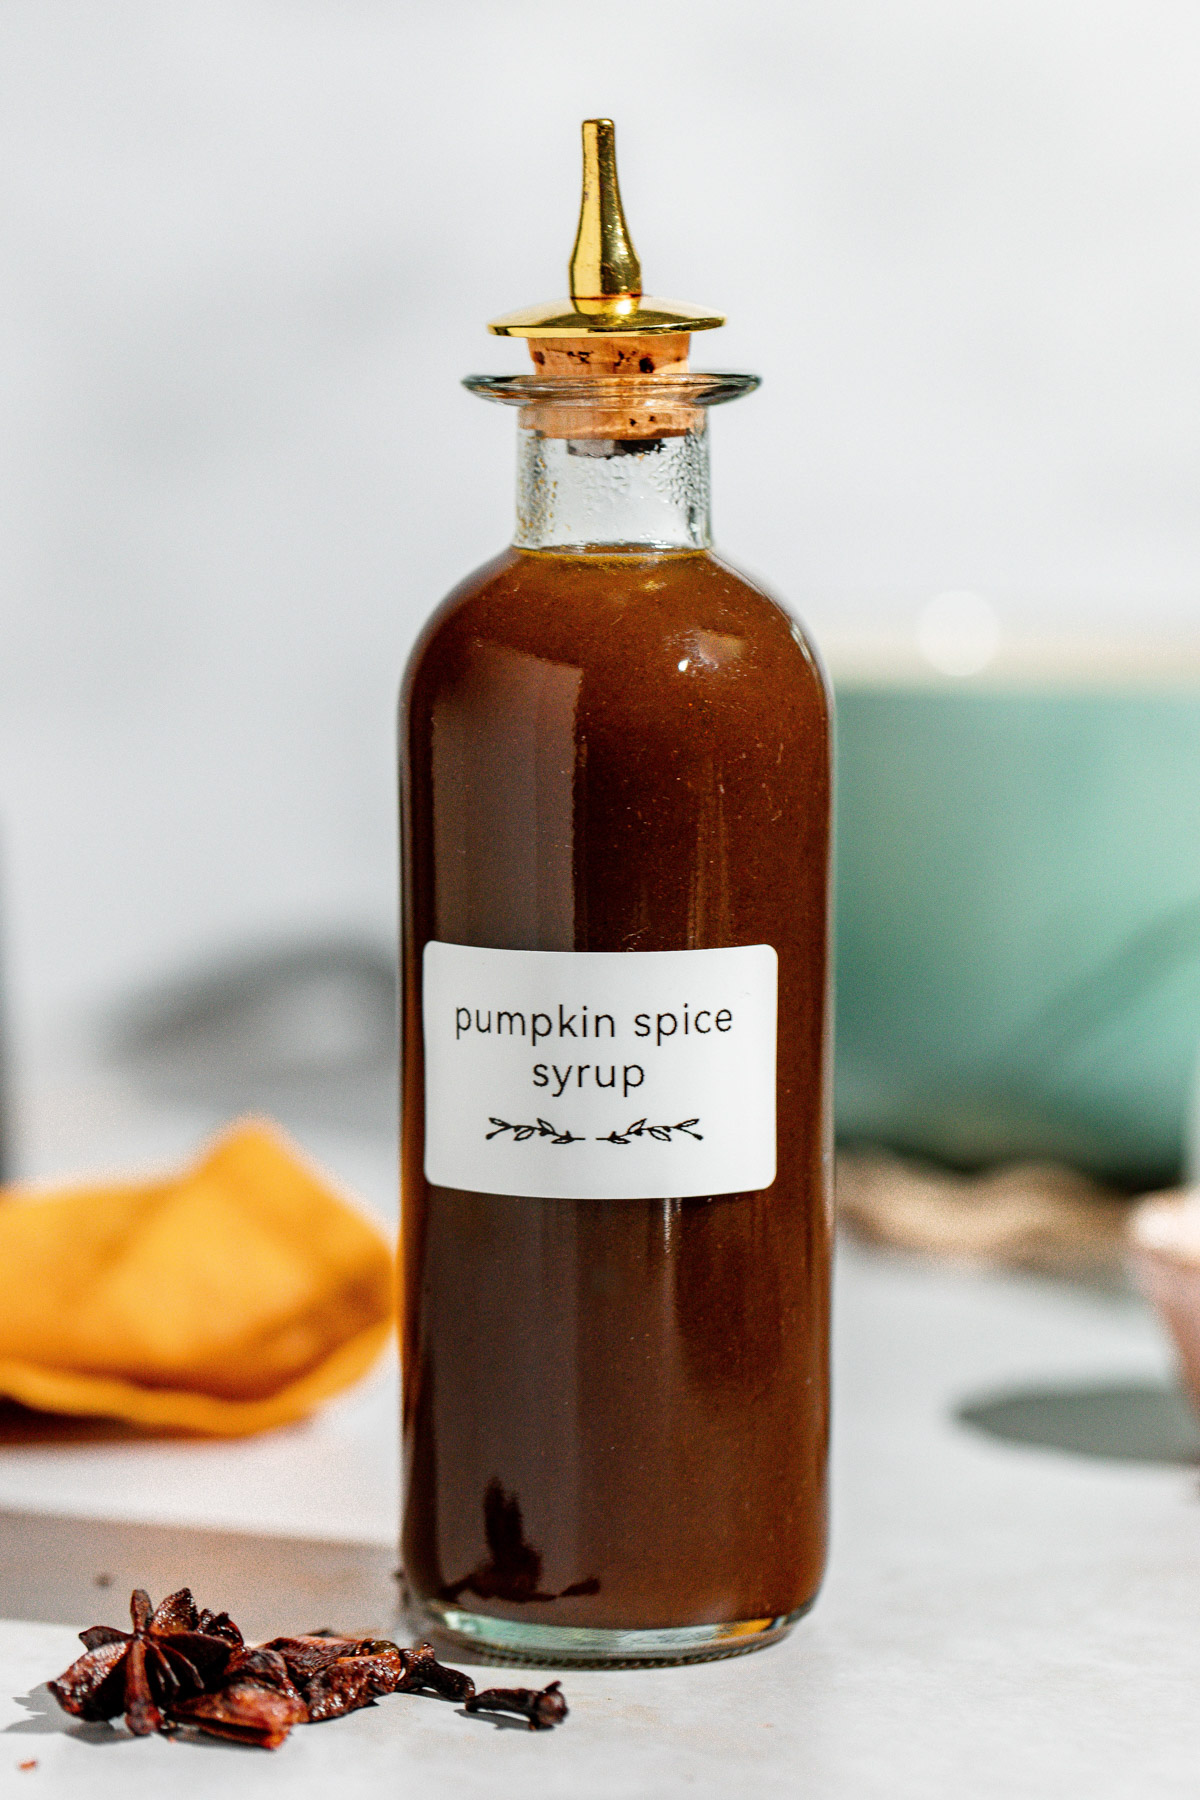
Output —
<point x="615" y="780"/>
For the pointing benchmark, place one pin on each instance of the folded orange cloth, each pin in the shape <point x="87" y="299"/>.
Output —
<point x="232" y="1299"/>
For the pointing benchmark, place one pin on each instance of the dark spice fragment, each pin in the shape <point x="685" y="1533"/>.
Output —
<point x="94" y="1686"/>
<point x="543" y="1707"/>
<point x="247" y="1711"/>
<point x="142" y="1714"/>
<point x="263" y="1665"/>
<point x="307" y="1656"/>
<point x="349" y="1683"/>
<point x="219" y="1625"/>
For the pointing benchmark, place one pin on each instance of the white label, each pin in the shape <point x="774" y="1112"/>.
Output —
<point x="596" y="1075"/>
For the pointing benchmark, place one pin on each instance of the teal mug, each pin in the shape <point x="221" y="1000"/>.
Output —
<point x="1018" y="955"/>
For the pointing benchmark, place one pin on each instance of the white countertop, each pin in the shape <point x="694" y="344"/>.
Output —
<point x="999" y="1619"/>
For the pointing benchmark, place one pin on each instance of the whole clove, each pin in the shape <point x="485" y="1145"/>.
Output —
<point x="543" y="1707"/>
<point x="183" y="1667"/>
<point x="424" y="1674"/>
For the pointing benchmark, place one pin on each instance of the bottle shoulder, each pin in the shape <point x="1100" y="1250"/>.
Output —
<point x="677" y="611"/>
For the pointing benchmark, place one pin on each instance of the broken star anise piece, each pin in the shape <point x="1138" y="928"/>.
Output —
<point x="337" y="1675"/>
<point x="168" y="1657"/>
<point x="307" y="1656"/>
<point x="248" y="1711"/>
<point x="543" y="1707"/>
<point x="256" y="1703"/>
<point x="351" y="1682"/>
<point x="263" y="1665"/>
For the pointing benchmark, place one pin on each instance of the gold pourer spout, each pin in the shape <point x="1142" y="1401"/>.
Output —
<point x="604" y="264"/>
<point x="606" y="298"/>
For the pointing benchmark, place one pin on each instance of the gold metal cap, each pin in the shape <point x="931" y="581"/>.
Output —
<point x="606" y="276"/>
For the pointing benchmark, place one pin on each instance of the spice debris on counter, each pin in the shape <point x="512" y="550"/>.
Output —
<point x="181" y="1666"/>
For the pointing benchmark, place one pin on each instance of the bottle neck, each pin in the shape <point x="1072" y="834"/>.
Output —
<point x="590" y="493"/>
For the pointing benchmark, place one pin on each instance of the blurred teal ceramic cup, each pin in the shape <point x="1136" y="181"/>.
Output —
<point x="1019" y="912"/>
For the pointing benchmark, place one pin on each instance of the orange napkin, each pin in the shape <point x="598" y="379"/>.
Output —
<point x="232" y="1299"/>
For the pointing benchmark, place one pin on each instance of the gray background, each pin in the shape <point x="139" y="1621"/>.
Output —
<point x="247" y="249"/>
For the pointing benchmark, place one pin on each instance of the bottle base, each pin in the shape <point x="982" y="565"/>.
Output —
<point x="573" y="1646"/>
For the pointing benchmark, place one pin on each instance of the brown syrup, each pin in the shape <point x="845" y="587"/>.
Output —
<point x="616" y="1411"/>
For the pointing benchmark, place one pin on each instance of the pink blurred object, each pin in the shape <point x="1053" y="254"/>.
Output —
<point x="1165" y="1263"/>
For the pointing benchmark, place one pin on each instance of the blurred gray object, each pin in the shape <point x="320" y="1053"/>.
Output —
<point x="305" y="1032"/>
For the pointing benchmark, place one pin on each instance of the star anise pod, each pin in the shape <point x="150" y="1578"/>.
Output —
<point x="173" y="1652"/>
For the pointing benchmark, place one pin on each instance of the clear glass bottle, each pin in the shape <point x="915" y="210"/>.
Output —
<point x="615" y="771"/>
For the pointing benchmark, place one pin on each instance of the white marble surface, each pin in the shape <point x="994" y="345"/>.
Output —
<point x="999" y="1620"/>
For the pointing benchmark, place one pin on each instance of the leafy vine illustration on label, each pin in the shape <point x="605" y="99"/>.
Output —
<point x="542" y="1128"/>
<point x="662" y="1133"/>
